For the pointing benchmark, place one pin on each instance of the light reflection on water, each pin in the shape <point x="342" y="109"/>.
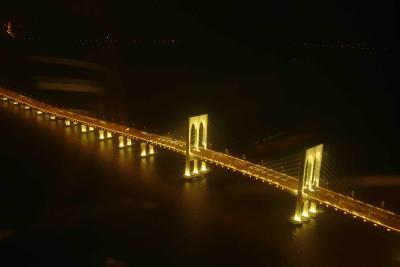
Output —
<point x="240" y="223"/>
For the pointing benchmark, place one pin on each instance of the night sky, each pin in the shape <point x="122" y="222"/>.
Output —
<point x="313" y="88"/>
<point x="250" y="23"/>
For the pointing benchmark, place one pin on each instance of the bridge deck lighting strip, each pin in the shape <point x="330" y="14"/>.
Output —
<point x="379" y="216"/>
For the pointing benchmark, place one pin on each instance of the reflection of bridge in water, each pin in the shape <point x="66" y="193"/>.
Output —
<point x="310" y="195"/>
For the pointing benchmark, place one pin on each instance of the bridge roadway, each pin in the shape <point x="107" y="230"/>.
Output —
<point x="339" y="202"/>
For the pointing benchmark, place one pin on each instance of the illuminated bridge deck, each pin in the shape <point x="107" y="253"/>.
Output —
<point x="347" y="205"/>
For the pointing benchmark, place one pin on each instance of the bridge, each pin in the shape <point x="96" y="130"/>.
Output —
<point x="307" y="190"/>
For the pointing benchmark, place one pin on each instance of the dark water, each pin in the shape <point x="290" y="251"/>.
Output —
<point x="68" y="200"/>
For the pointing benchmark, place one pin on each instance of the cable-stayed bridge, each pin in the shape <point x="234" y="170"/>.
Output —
<point x="309" y="193"/>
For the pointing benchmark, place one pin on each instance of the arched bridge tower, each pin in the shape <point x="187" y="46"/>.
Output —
<point x="196" y="140"/>
<point x="308" y="182"/>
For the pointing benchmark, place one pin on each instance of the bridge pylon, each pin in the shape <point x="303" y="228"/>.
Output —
<point x="196" y="140"/>
<point x="308" y="182"/>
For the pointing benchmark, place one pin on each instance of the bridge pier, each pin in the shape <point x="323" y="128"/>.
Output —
<point x="144" y="152"/>
<point x="313" y="209"/>
<point x="67" y="123"/>
<point x="128" y="142"/>
<point x="305" y="213"/>
<point x="83" y="128"/>
<point x="121" y="142"/>
<point x="91" y="129"/>
<point x="39" y="112"/>
<point x="299" y="208"/>
<point x="101" y="134"/>
<point x="104" y="134"/>
<point x="195" y="167"/>
<point x="143" y="149"/>
<point x="15" y="102"/>
<point x="203" y="166"/>
<point x="4" y="98"/>
<point x="151" y="149"/>
<point x="199" y="168"/>
<point x="187" y="168"/>
<point x="27" y="107"/>
<point x="52" y="117"/>
<point x="308" y="181"/>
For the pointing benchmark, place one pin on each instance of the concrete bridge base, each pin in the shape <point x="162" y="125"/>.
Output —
<point x="144" y="152"/>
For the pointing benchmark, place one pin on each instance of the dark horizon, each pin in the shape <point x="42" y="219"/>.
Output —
<point x="336" y="79"/>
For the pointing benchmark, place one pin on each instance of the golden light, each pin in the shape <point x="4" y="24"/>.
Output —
<point x="101" y="134"/>
<point x="151" y="149"/>
<point x="143" y="147"/>
<point x="128" y="141"/>
<point x="121" y="142"/>
<point x="346" y="204"/>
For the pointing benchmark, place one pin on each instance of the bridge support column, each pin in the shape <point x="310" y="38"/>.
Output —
<point x="128" y="142"/>
<point x="187" y="168"/>
<point x="195" y="167"/>
<point x="146" y="149"/>
<point x="52" y="117"/>
<point x="203" y="166"/>
<point x="91" y="129"/>
<point x="15" y="102"/>
<point x="151" y="149"/>
<point x="313" y="209"/>
<point x="143" y="149"/>
<point x="39" y="112"/>
<point x="109" y="135"/>
<point x="67" y="122"/>
<point x="121" y="143"/>
<point x="27" y="107"/>
<point x="83" y="128"/>
<point x="4" y="98"/>
<point x="297" y="215"/>
<point x="101" y="134"/>
<point x="306" y="205"/>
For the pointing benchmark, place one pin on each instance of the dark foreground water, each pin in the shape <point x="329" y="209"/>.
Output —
<point x="68" y="200"/>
